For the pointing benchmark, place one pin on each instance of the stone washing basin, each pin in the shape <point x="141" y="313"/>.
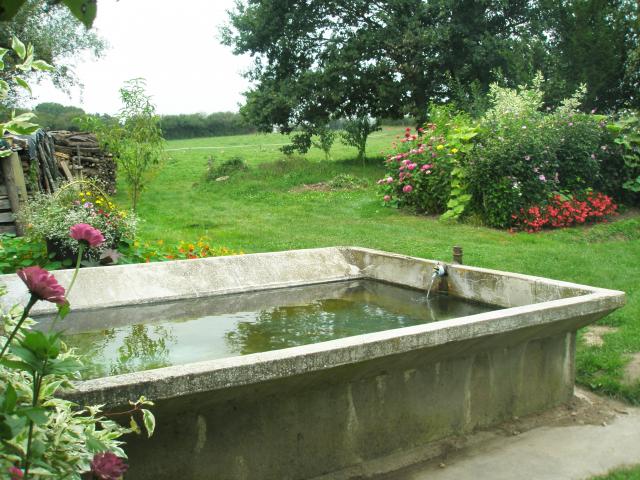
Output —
<point x="346" y="408"/>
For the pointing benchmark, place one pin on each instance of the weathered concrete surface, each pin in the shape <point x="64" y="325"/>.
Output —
<point x="337" y="406"/>
<point x="552" y="452"/>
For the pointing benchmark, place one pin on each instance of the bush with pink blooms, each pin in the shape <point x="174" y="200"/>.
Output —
<point x="517" y="157"/>
<point x="418" y="172"/>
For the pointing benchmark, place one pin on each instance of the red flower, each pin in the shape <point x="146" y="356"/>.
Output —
<point x="84" y="232"/>
<point x="42" y="284"/>
<point x="16" y="473"/>
<point x="108" y="466"/>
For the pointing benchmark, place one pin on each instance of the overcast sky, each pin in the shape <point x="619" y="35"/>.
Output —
<point x="174" y="46"/>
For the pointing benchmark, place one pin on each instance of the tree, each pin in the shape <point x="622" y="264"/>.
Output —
<point x="135" y="139"/>
<point x="56" y="35"/>
<point x="594" y="42"/>
<point x="319" y="60"/>
<point x="357" y="131"/>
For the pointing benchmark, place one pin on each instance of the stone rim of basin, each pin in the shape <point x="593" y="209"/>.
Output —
<point x="533" y="305"/>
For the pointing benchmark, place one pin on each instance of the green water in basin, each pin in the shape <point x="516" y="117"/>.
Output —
<point x="135" y="338"/>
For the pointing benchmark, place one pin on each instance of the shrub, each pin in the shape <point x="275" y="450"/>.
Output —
<point x="565" y="211"/>
<point x="441" y="145"/>
<point x="418" y="173"/>
<point x="357" y="131"/>
<point x="514" y="158"/>
<point x="524" y="155"/>
<point x="49" y="217"/>
<point x="344" y="181"/>
<point x="626" y="130"/>
<point x="225" y="169"/>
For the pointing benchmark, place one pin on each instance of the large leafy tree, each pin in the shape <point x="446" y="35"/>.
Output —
<point x="320" y="59"/>
<point x="57" y="36"/>
<point x="594" y="42"/>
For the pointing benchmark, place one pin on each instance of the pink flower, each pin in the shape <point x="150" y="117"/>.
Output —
<point x="108" y="466"/>
<point x="542" y="178"/>
<point x="386" y="198"/>
<point x="42" y="284"/>
<point x="16" y="473"/>
<point x="411" y="166"/>
<point x="389" y="179"/>
<point x="84" y="232"/>
<point x="407" y="189"/>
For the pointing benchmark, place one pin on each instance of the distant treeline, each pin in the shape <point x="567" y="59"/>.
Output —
<point x="201" y="125"/>
<point x="54" y="116"/>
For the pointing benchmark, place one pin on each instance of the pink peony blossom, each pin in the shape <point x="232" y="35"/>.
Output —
<point x="386" y="198"/>
<point x="411" y="166"/>
<point x="407" y="189"/>
<point x="108" y="466"/>
<point x="389" y="179"/>
<point x="42" y="284"/>
<point x="84" y="232"/>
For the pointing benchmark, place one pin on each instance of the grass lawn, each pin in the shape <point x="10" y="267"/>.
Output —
<point x="264" y="209"/>
<point x="622" y="474"/>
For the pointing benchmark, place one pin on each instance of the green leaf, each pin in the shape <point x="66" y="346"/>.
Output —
<point x="18" y="47"/>
<point x="9" y="399"/>
<point x="23" y="84"/>
<point x="94" y="444"/>
<point x="16" y="365"/>
<point x="37" y="449"/>
<point x="64" y="309"/>
<point x="149" y="421"/>
<point x="37" y="415"/>
<point x="65" y="366"/>
<point x="83" y="10"/>
<point x="11" y="425"/>
<point x="3" y="52"/>
<point x="42" y="66"/>
<point x="24" y="117"/>
<point x="34" y="364"/>
<point x="134" y="426"/>
<point x="4" y="88"/>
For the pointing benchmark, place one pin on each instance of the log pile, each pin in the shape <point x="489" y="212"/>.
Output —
<point x="52" y="158"/>
<point x="80" y="156"/>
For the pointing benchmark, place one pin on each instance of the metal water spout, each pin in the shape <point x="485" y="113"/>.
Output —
<point x="439" y="270"/>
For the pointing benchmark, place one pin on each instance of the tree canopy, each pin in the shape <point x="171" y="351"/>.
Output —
<point x="57" y="36"/>
<point x="322" y="59"/>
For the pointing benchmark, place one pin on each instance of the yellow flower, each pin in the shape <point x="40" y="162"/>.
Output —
<point x="160" y="242"/>
<point x="439" y="147"/>
<point x="454" y="150"/>
<point x="88" y="194"/>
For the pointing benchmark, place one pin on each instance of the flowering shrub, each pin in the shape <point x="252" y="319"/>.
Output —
<point x="50" y="217"/>
<point x="561" y="211"/>
<point x="418" y="172"/>
<point x="42" y="435"/>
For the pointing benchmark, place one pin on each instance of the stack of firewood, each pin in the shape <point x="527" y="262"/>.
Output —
<point x="80" y="156"/>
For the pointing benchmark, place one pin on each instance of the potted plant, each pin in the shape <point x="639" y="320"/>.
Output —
<point x="49" y="217"/>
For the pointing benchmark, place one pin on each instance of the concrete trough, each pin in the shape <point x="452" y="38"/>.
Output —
<point x="347" y="408"/>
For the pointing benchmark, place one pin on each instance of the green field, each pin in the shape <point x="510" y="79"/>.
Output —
<point x="266" y="209"/>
